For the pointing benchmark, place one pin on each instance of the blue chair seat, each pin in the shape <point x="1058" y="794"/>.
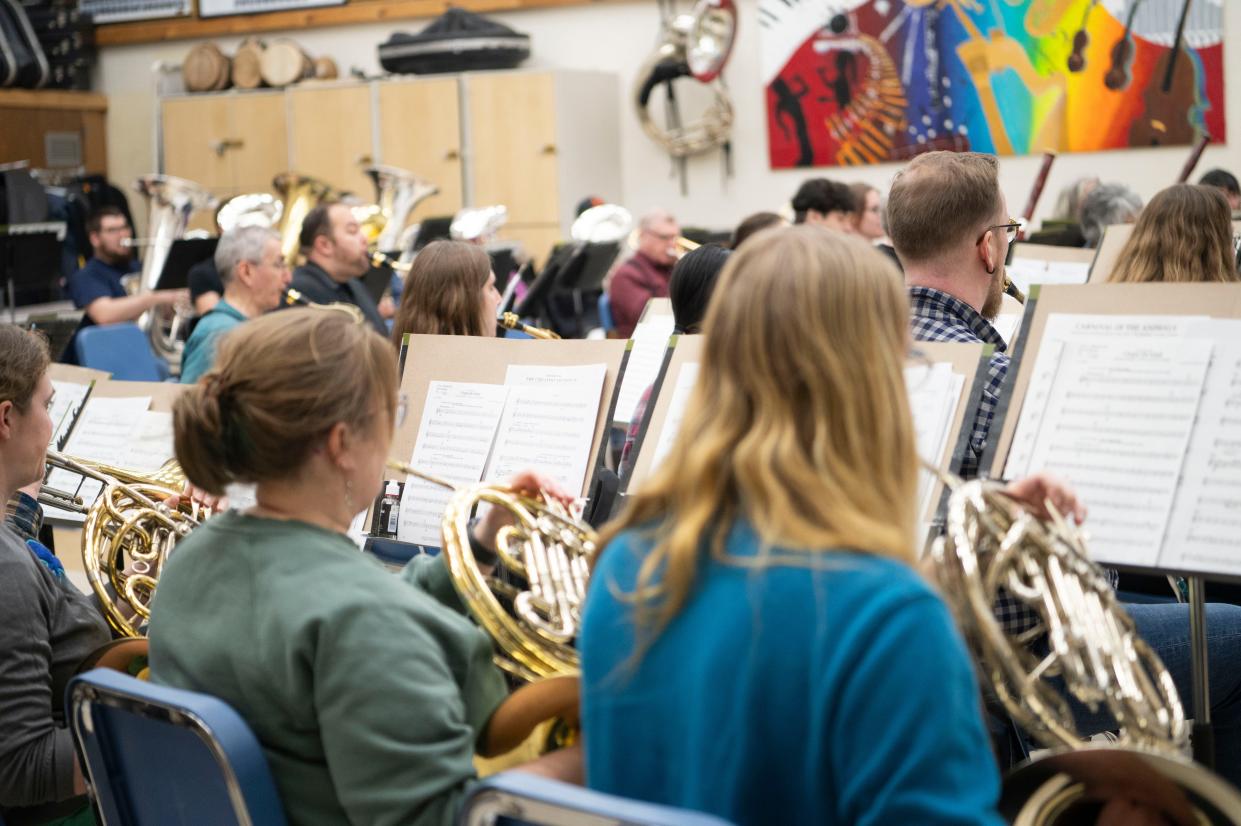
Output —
<point x="159" y="755"/>
<point x="120" y="349"/>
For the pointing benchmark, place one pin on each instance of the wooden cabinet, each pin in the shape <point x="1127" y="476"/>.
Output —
<point x="420" y="130"/>
<point x="330" y="135"/>
<point x="535" y="141"/>
<point x="71" y="123"/>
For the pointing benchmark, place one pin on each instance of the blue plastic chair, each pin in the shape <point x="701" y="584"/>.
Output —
<point x="520" y="799"/>
<point x="120" y="349"/>
<point x="605" y="313"/>
<point x="158" y="755"/>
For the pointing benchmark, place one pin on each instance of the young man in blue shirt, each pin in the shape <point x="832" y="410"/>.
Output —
<point x="97" y="288"/>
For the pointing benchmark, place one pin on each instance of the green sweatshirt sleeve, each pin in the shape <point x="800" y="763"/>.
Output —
<point x="429" y="574"/>
<point x="401" y="698"/>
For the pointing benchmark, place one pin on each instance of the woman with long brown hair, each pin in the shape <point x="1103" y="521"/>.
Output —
<point x="368" y="691"/>
<point x="757" y="642"/>
<point x="1184" y="235"/>
<point x="450" y="290"/>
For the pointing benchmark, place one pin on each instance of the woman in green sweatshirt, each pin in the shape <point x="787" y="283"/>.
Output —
<point x="368" y="695"/>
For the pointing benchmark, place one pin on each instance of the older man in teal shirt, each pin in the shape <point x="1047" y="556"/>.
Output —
<point x="255" y="276"/>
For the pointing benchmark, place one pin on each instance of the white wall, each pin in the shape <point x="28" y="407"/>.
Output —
<point x="617" y="37"/>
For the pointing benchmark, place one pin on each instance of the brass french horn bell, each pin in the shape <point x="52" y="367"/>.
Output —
<point x="128" y="534"/>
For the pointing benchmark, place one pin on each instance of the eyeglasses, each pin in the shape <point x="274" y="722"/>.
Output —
<point x="1010" y="229"/>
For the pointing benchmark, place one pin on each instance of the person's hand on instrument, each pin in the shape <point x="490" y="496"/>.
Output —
<point x="211" y="502"/>
<point x="1033" y="492"/>
<point x="525" y="483"/>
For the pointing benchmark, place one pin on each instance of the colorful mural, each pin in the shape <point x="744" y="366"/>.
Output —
<point x="866" y="81"/>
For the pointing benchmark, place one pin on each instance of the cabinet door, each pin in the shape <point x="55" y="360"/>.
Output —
<point x="197" y="137"/>
<point x="512" y="144"/>
<point x="261" y="150"/>
<point x="420" y="130"/>
<point x="330" y="129"/>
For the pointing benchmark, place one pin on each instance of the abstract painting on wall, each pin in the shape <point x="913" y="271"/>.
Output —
<point x="867" y="81"/>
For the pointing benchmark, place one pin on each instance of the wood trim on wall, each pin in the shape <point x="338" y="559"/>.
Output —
<point x="53" y="99"/>
<point x="354" y="12"/>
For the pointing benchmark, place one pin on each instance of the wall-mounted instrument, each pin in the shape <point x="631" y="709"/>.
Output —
<point x="1194" y="156"/>
<point x="1036" y="192"/>
<point x="695" y="45"/>
<point x="1081" y="40"/>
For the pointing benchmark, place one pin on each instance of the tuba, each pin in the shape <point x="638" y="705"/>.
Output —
<point x="170" y="203"/>
<point x="698" y="45"/>
<point x="301" y="194"/>
<point x="478" y="225"/>
<point x="128" y="535"/>
<point x="253" y="209"/>
<point x="530" y="604"/>
<point x="397" y="193"/>
<point x="991" y="543"/>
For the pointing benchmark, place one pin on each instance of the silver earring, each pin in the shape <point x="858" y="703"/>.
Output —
<point x="349" y="494"/>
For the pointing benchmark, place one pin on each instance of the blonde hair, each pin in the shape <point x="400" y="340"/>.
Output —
<point x="279" y="384"/>
<point x="443" y="292"/>
<point x="799" y="422"/>
<point x="1183" y="235"/>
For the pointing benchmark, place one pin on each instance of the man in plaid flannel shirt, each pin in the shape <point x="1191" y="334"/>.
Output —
<point x="948" y="221"/>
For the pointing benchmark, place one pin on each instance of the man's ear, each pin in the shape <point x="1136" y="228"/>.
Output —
<point x="987" y="253"/>
<point x="7" y="411"/>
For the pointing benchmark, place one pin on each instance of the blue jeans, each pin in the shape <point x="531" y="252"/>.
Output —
<point x="1165" y="627"/>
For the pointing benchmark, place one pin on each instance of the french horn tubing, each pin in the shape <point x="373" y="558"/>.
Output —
<point x="128" y="534"/>
<point x="512" y="321"/>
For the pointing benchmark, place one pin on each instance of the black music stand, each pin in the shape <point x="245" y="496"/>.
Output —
<point x="377" y="280"/>
<point x="182" y="255"/>
<point x="30" y="264"/>
<point x="432" y="229"/>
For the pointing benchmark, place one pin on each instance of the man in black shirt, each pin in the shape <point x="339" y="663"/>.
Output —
<point x="336" y="258"/>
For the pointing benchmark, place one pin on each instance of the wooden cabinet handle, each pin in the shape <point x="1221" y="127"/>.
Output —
<point x="365" y="160"/>
<point x="221" y="146"/>
<point x="549" y="149"/>
<point x="452" y="155"/>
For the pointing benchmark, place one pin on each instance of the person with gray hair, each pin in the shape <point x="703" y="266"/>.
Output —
<point x="255" y="276"/>
<point x="1108" y="204"/>
<point x="647" y="272"/>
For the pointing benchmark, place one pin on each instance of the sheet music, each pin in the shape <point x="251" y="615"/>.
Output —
<point x="548" y="422"/>
<point x="934" y="394"/>
<point x="103" y="433"/>
<point x="1205" y="530"/>
<point x="66" y="405"/>
<point x="454" y="440"/>
<point x="151" y="447"/>
<point x="1007" y="324"/>
<point x="646" y="357"/>
<point x="1026" y="272"/>
<point x="1115" y="422"/>
<point x="681" y="393"/>
<point x="1062" y="328"/>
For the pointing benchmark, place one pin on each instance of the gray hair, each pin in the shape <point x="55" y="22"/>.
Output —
<point x="241" y="244"/>
<point x="1106" y="205"/>
<point x="653" y="217"/>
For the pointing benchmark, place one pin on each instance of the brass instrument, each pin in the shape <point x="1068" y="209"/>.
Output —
<point x="991" y="543"/>
<point x="397" y="193"/>
<point x="253" y="209"/>
<point x="128" y="534"/>
<point x="294" y="298"/>
<point x="511" y="321"/>
<point x="379" y="259"/>
<point x="1011" y="289"/>
<point x="301" y="194"/>
<point x="170" y="204"/>
<point x="547" y="549"/>
<point x="478" y="224"/>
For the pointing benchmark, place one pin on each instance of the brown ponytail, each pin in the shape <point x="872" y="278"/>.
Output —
<point x="443" y="292"/>
<point x="279" y="384"/>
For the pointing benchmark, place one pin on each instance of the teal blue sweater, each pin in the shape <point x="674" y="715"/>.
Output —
<point x="199" y="352"/>
<point x="836" y="695"/>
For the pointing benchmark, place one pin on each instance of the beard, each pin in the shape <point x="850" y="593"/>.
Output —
<point x="995" y="296"/>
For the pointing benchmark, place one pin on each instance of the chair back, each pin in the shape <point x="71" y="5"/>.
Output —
<point x="519" y="799"/>
<point x="159" y="755"/>
<point x="605" y="313"/>
<point x="122" y="350"/>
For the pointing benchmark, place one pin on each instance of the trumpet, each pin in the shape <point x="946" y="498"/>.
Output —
<point x="679" y="248"/>
<point x="293" y="298"/>
<point x="511" y="321"/>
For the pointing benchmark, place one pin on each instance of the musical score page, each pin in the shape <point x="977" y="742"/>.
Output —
<point x="548" y="423"/>
<point x="1205" y="530"/>
<point x="103" y="434"/>
<point x="454" y="441"/>
<point x="681" y="393"/>
<point x="1114" y="420"/>
<point x="646" y="357"/>
<point x="152" y="445"/>
<point x="934" y="394"/>
<point x="67" y="403"/>
<point x="1026" y="272"/>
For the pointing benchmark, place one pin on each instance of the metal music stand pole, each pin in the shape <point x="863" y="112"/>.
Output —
<point x="1203" y="737"/>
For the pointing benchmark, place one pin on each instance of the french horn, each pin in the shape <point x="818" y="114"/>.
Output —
<point x="301" y="194"/>
<point x="171" y="202"/>
<point x="991" y="543"/>
<point x="694" y="45"/>
<point x="128" y="534"/>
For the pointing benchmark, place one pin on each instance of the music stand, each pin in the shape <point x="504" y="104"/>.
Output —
<point x="432" y="229"/>
<point x="30" y="264"/>
<point x="182" y="255"/>
<point x="541" y="288"/>
<point x="377" y="280"/>
<point x="58" y="329"/>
